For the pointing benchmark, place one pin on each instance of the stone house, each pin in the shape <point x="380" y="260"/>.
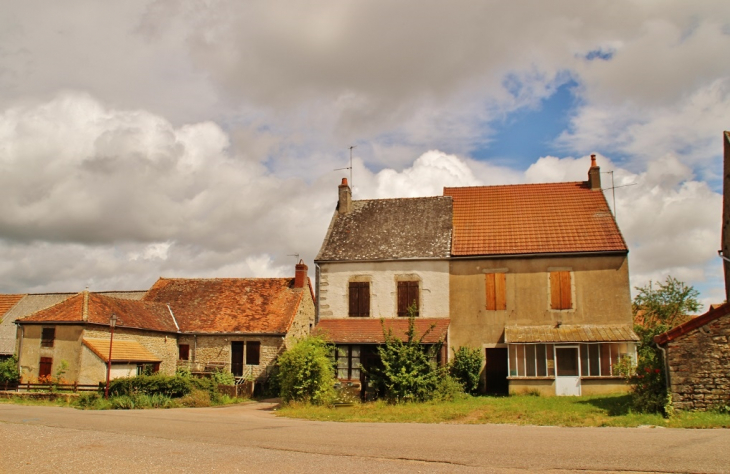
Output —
<point x="378" y="258"/>
<point x="13" y="307"/>
<point x="534" y="275"/>
<point x="698" y="359"/>
<point x="236" y="324"/>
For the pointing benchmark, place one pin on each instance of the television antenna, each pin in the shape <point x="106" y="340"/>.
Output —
<point x="349" y="167"/>
<point x="613" y="190"/>
<point x="293" y="255"/>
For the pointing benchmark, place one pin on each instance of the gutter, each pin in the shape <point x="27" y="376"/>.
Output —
<point x="483" y="257"/>
<point x="316" y="285"/>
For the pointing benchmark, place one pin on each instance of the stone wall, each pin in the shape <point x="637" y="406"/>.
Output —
<point x="303" y="320"/>
<point x="216" y="350"/>
<point x="699" y="367"/>
<point x="162" y="345"/>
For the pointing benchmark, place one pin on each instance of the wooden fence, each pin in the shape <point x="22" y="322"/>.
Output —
<point x="49" y="387"/>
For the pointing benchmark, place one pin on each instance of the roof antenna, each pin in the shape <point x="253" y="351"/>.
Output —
<point x="349" y="167"/>
<point x="613" y="190"/>
<point x="293" y="255"/>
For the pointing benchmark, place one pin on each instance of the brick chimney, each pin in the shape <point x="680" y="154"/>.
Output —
<point x="594" y="175"/>
<point x="300" y="275"/>
<point x="344" y="205"/>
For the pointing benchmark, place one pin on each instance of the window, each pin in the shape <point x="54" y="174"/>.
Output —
<point x="47" y="337"/>
<point x="407" y="297"/>
<point x="45" y="367"/>
<point x="253" y="352"/>
<point x="560" y="291"/>
<point x="348" y="362"/>
<point x="184" y="352"/>
<point x="359" y="298"/>
<point x="596" y="359"/>
<point x="496" y="291"/>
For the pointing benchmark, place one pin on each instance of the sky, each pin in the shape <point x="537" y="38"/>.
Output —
<point x="141" y="139"/>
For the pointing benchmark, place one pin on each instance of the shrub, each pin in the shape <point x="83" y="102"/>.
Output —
<point x="122" y="402"/>
<point x="196" y="399"/>
<point x="306" y="373"/>
<point x="408" y="370"/>
<point x="448" y="389"/>
<point x="9" y="370"/>
<point x="88" y="400"/>
<point x="171" y="386"/>
<point x="465" y="368"/>
<point x="224" y="377"/>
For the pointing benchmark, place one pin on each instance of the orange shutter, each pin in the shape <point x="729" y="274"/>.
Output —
<point x="555" y="290"/>
<point x="500" y="287"/>
<point x="491" y="292"/>
<point x="565" y="293"/>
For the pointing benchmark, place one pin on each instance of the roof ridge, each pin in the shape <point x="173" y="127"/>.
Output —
<point x="515" y="185"/>
<point x="402" y="198"/>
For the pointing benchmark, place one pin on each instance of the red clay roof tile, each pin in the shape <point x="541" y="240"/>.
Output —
<point x="7" y="302"/>
<point x="370" y="330"/>
<point x="532" y="218"/>
<point x="228" y="305"/>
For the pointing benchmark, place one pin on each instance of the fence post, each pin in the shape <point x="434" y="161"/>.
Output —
<point x="76" y="386"/>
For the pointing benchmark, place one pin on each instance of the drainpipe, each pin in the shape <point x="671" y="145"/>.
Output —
<point x="20" y="345"/>
<point x="316" y="285"/>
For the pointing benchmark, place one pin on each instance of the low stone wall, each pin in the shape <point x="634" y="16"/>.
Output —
<point x="699" y="367"/>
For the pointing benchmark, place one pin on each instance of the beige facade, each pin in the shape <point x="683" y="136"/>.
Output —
<point x="432" y="276"/>
<point x="599" y="295"/>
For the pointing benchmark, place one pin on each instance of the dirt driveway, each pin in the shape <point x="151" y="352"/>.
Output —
<point x="250" y="438"/>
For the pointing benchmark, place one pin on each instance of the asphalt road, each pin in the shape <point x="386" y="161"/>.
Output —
<point x="250" y="438"/>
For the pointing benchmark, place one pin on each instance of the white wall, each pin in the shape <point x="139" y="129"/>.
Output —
<point x="383" y="277"/>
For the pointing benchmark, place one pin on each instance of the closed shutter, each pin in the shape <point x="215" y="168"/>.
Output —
<point x="407" y="296"/>
<point x="359" y="298"/>
<point x="491" y="291"/>
<point x="253" y="352"/>
<point x="45" y="366"/>
<point x="496" y="291"/>
<point x="560" y="290"/>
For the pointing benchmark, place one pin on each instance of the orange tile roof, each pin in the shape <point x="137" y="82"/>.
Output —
<point x="532" y="219"/>
<point x="131" y="313"/>
<point x="122" y="350"/>
<point x="7" y="302"/>
<point x="223" y="305"/>
<point x="695" y="323"/>
<point x="370" y="330"/>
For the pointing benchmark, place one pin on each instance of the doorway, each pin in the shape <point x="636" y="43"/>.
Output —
<point x="496" y="371"/>
<point x="567" y="374"/>
<point x="237" y="358"/>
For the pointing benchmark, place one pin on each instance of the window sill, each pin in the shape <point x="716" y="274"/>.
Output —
<point x="524" y="377"/>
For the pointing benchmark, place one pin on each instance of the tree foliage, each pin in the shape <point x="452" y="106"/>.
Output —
<point x="657" y="308"/>
<point x="408" y="369"/>
<point x="306" y="372"/>
<point x="465" y="368"/>
<point x="9" y="370"/>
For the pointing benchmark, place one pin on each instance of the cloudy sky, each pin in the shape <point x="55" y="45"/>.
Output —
<point x="141" y="139"/>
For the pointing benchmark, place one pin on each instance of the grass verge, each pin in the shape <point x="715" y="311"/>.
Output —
<point x="605" y="410"/>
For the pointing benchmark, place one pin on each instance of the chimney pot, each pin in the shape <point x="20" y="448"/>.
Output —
<point x="344" y="205"/>
<point x="594" y="175"/>
<point x="300" y="275"/>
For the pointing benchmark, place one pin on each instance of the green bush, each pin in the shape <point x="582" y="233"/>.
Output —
<point x="448" y="389"/>
<point x="224" y="377"/>
<point x="9" y="370"/>
<point x="171" y="386"/>
<point x="122" y="402"/>
<point x="465" y="368"/>
<point x="408" y="369"/>
<point x="648" y="382"/>
<point x="196" y="399"/>
<point x="306" y="372"/>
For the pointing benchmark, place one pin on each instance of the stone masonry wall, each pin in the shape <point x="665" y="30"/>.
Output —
<point x="217" y="350"/>
<point x="699" y="366"/>
<point x="303" y="320"/>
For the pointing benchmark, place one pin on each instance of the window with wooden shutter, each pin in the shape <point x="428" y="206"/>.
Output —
<point x="184" y="352"/>
<point x="253" y="352"/>
<point x="47" y="337"/>
<point x="560" y="291"/>
<point x="407" y="297"/>
<point x="45" y="367"/>
<point x="359" y="298"/>
<point x="496" y="291"/>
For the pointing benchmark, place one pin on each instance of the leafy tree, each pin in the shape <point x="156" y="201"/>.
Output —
<point x="306" y="372"/>
<point x="465" y="368"/>
<point x="408" y="369"/>
<point x="9" y="370"/>
<point x="657" y="308"/>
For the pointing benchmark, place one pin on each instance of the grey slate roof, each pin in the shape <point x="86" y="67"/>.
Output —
<point x="384" y="229"/>
<point x="31" y="303"/>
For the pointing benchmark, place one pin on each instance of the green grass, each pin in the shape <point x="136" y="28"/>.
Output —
<point x="605" y="410"/>
<point x="94" y="401"/>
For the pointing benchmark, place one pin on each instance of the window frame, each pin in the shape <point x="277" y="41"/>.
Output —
<point x="48" y="341"/>
<point x="186" y="352"/>
<point x="249" y="352"/>
<point x="350" y="365"/>
<point x="408" y="290"/>
<point x="519" y="366"/>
